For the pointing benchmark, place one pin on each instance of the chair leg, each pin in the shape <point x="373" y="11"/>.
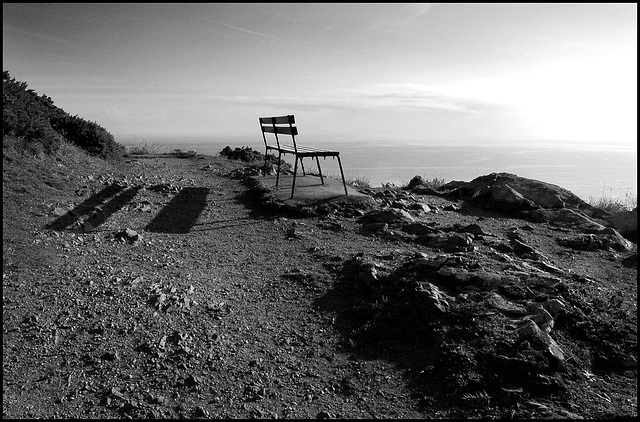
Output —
<point x="319" y="170"/>
<point x="264" y="168"/>
<point x="295" y="171"/>
<point x="278" y="171"/>
<point x="302" y="165"/>
<point x="342" y="173"/>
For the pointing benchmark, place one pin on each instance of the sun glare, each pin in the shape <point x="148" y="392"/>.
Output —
<point x="585" y="101"/>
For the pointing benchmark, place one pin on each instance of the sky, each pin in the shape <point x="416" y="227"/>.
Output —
<point x="426" y="73"/>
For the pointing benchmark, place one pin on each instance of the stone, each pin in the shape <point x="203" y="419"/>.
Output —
<point x="449" y="242"/>
<point x="592" y="242"/>
<point x="128" y="235"/>
<point x="528" y="328"/>
<point x="459" y="275"/>
<point x="389" y="216"/>
<point x="415" y="181"/>
<point x="615" y="240"/>
<point x="505" y="198"/>
<point x="541" y="317"/>
<point x="59" y="211"/>
<point x="419" y="229"/>
<point x="437" y="297"/>
<point x="509" y="192"/>
<point x="505" y="306"/>
<point x="418" y="206"/>
<point x="566" y="217"/>
<point x="487" y="280"/>
<point x="554" y="306"/>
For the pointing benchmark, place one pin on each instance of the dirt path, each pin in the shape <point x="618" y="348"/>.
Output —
<point x="193" y="319"/>
<point x="163" y="288"/>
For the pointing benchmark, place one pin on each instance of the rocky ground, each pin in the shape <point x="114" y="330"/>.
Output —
<point x="173" y="286"/>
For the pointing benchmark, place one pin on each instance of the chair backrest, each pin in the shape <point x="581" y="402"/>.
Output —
<point x="283" y="125"/>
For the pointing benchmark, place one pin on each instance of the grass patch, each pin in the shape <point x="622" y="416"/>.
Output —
<point x="358" y="182"/>
<point x="145" y="147"/>
<point x="626" y="200"/>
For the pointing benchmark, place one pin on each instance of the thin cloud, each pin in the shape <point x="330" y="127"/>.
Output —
<point x="408" y="97"/>
<point x="246" y="31"/>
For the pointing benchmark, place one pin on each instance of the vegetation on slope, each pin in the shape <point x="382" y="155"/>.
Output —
<point x="31" y="123"/>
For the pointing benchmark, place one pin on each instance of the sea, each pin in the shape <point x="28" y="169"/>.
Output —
<point x="590" y="172"/>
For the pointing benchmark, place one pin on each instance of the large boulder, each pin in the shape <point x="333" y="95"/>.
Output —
<point x="509" y="192"/>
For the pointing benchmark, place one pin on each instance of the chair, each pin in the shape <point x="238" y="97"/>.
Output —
<point x="284" y="125"/>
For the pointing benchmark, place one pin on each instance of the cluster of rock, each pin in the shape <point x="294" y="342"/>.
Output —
<point x="508" y="194"/>
<point x="495" y="281"/>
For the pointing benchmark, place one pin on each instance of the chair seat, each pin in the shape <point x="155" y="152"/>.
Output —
<point x="304" y="151"/>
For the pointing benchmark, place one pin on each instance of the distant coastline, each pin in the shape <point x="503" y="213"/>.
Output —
<point x="588" y="171"/>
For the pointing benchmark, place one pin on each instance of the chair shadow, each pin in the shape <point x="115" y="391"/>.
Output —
<point x="181" y="213"/>
<point x="115" y="204"/>
<point x="89" y="205"/>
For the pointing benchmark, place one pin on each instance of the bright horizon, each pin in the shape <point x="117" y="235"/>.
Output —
<point x="535" y="74"/>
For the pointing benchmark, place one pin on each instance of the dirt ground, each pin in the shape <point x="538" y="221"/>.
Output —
<point x="167" y="287"/>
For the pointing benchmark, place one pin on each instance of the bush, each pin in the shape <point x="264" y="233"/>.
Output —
<point x="613" y="205"/>
<point x="146" y="148"/>
<point x="35" y="125"/>
<point x="89" y="136"/>
<point x="243" y="154"/>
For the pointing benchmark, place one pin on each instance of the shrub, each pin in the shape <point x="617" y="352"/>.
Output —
<point x="613" y="205"/>
<point x="35" y="125"/>
<point x="243" y="154"/>
<point x="146" y="148"/>
<point x="89" y="136"/>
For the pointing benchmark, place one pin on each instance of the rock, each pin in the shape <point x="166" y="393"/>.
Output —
<point x="487" y="280"/>
<point x="616" y="240"/>
<point x="509" y="192"/>
<point x="528" y="328"/>
<point x="59" y="211"/>
<point x="566" y="217"/>
<point x="504" y="198"/>
<point x="389" y="216"/>
<point x="521" y="247"/>
<point x="416" y="181"/>
<point x="419" y="229"/>
<point x="325" y="415"/>
<point x="592" y="242"/>
<point x="448" y="242"/>
<point x="363" y="271"/>
<point x="128" y="235"/>
<point x="418" y="206"/>
<point x="374" y="228"/>
<point x="625" y="222"/>
<point x="456" y="274"/>
<point x="554" y="306"/>
<point x="437" y="297"/>
<point x="505" y="306"/>
<point x="541" y="317"/>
